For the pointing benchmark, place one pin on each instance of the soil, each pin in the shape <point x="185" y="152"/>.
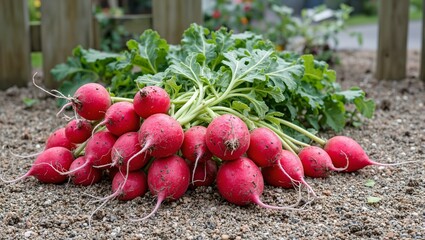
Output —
<point x="33" y="210"/>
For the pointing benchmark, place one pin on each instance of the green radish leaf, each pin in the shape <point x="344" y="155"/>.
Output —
<point x="313" y="121"/>
<point x="191" y="69"/>
<point x="241" y="107"/>
<point x="151" y="52"/>
<point x="247" y="67"/>
<point x="223" y="79"/>
<point x="63" y="71"/>
<point x="274" y="92"/>
<point x="310" y="95"/>
<point x="67" y="70"/>
<point x="372" y="200"/>
<point x="222" y="39"/>
<point x="123" y="64"/>
<point x="259" y="106"/>
<point x="92" y="55"/>
<point x="335" y="115"/>
<point x="350" y="95"/>
<point x="124" y="84"/>
<point x="365" y="107"/>
<point x="283" y="74"/>
<point x="313" y="71"/>
<point x="370" y="183"/>
<point x="172" y="87"/>
<point x="150" y="80"/>
<point x="194" y="41"/>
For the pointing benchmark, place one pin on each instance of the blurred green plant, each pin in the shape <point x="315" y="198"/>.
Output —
<point x="319" y="28"/>
<point x="314" y="32"/>
<point x="34" y="7"/>
<point x="113" y="35"/>
<point x="239" y="15"/>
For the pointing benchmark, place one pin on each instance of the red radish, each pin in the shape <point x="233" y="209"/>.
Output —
<point x="227" y="137"/>
<point x="59" y="139"/>
<point x="46" y="166"/>
<point x="134" y="186"/>
<point x="98" y="151"/>
<point x="78" y="130"/>
<point x="91" y="101"/>
<point x="151" y="100"/>
<point x="121" y="118"/>
<point x="240" y="182"/>
<point x="124" y="187"/>
<point x="316" y="162"/>
<point x="160" y="135"/>
<point x="168" y="178"/>
<point x="126" y="146"/>
<point x="264" y="147"/>
<point x="204" y="173"/>
<point x="274" y="176"/>
<point x="84" y="176"/>
<point x="194" y="147"/>
<point x="342" y="149"/>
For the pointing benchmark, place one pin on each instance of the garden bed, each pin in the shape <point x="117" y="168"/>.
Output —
<point x="395" y="134"/>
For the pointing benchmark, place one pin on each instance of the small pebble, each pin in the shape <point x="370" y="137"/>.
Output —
<point x="28" y="234"/>
<point x="225" y="237"/>
<point x="327" y="192"/>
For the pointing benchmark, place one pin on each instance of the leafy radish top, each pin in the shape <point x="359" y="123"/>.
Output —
<point x="211" y="72"/>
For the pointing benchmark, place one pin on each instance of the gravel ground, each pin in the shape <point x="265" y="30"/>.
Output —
<point x="29" y="209"/>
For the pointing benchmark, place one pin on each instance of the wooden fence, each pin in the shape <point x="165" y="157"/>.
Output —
<point x="68" y="23"/>
<point x="392" y="40"/>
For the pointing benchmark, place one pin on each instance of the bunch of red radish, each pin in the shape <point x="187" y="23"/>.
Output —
<point x="141" y="147"/>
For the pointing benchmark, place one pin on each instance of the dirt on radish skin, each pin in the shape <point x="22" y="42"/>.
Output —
<point x="78" y="130"/>
<point x="227" y="137"/>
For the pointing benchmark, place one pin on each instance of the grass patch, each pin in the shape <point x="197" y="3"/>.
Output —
<point x="360" y="19"/>
<point x="36" y="60"/>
